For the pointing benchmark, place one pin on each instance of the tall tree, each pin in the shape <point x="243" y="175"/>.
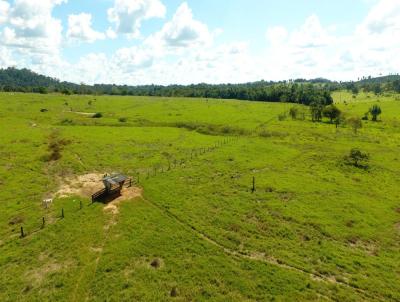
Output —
<point x="332" y="112"/>
<point x="375" y="111"/>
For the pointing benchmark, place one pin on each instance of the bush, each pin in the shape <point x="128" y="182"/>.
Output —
<point x="282" y="117"/>
<point x="357" y="158"/>
<point x="355" y="123"/>
<point x="67" y="121"/>
<point x="97" y="115"/>
<point x="293" y="112"/>
<point x="122" y="119"/>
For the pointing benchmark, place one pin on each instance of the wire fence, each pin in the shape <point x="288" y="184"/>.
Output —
<point x="20" y="229"/>
<point x="50" y="215"/>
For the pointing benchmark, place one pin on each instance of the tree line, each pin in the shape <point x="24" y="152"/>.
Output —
<point x="301" y="91"/>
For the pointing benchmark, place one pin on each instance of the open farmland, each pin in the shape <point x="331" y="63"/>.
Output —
<point x="315" y="228"/>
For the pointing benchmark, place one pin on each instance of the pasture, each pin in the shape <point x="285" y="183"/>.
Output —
<point x="315" y="228"/>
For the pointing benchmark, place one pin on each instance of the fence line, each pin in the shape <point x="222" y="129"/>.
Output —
<point x="21" y="231"/>
<point x="146" y="173"/>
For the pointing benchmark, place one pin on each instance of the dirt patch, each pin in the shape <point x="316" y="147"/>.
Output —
<point x="369" y="247"/>
<point x="16" y="220"/>
<point x="88" y="184"/>
<point x="96" y="249"/>
<point x="397" y="227"/>
<point x="126" y="194"/>
<point x="82" y="113"/>
<point x="83" y="185"/>
<point x="37" y="276"/>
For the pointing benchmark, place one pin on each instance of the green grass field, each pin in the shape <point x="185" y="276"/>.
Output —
<point x="314" y="229"/>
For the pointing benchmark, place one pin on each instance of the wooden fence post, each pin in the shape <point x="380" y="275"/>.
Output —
<point x="43" y="223"/>
<point x="80" y="204"/>
<point x="22" y="232"/>
<point x="254" y="185"/>
<point x="62" y="213"/>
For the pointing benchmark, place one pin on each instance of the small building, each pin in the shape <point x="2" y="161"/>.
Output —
<point x="114" y="182"/>
<point x="113" y="185"/>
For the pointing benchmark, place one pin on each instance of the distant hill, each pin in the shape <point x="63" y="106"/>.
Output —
<point x="380" y="80"/>
<point x="297" y="91"/>
<point x="13" y="79"/>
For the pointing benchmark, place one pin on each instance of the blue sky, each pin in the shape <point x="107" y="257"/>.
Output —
<point x="175" y="41"/>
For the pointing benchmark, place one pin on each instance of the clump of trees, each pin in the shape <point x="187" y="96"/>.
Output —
<point x="357" y="158"/>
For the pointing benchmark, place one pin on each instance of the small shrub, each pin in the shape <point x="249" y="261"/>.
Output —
<point x="174" y="292"/>
<point x="67" y="121"/>
<point x="365" y="117"/>
<point x="355" y="123"/>
<point x="44" y="110"/>
<point x="156" y="263"/>
<point x="293" y="112"/>
<point x="122" y="119"/>
<point x="357" y="158"/>
<point x="97" y="115"/>
<point x="282" y="117"/>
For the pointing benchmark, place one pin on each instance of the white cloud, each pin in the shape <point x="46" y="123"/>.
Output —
<point x="80" y="29"/>
<point x="277" y="35"/>
<point x="186" y="51"/>
<point x="183" y="30"/>
<point x="180" y="35"/>
<point x="131" y="59"/>
<point x="111" y="34"/>
<point x="30" y="25"/>
<point x="383" y="18"/>
<point x="4" y="10"/>
<point x="128" y="15"/>
<point x="6" y="59"/>
<point x="311" y="34"/>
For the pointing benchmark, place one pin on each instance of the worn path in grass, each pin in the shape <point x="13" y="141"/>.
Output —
<point x="260" y="257"/>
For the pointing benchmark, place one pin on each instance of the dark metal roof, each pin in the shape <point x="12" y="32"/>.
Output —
<point x="115" y="179"/>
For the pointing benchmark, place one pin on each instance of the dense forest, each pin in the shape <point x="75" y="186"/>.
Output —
<point x="295" y="91"/>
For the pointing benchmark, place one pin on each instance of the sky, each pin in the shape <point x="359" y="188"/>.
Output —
<point x="138" y="42"/>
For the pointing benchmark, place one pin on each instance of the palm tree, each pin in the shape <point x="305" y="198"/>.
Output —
<point x="375" y="112"/>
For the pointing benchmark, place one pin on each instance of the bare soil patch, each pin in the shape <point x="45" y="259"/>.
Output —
<point x="38" y="275"/>
<point x="86" y="185"/>
<point x="126" y="194"/>
<point x="82" y="185"/>
<point x="397" y="226"/>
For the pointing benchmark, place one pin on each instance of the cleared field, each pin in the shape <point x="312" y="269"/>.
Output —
<point x="314" y="229"/>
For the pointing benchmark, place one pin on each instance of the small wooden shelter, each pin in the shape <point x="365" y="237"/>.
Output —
<point x="113" y="185"/>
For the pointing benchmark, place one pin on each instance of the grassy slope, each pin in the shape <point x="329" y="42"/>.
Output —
<point x="217" y="241"/>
